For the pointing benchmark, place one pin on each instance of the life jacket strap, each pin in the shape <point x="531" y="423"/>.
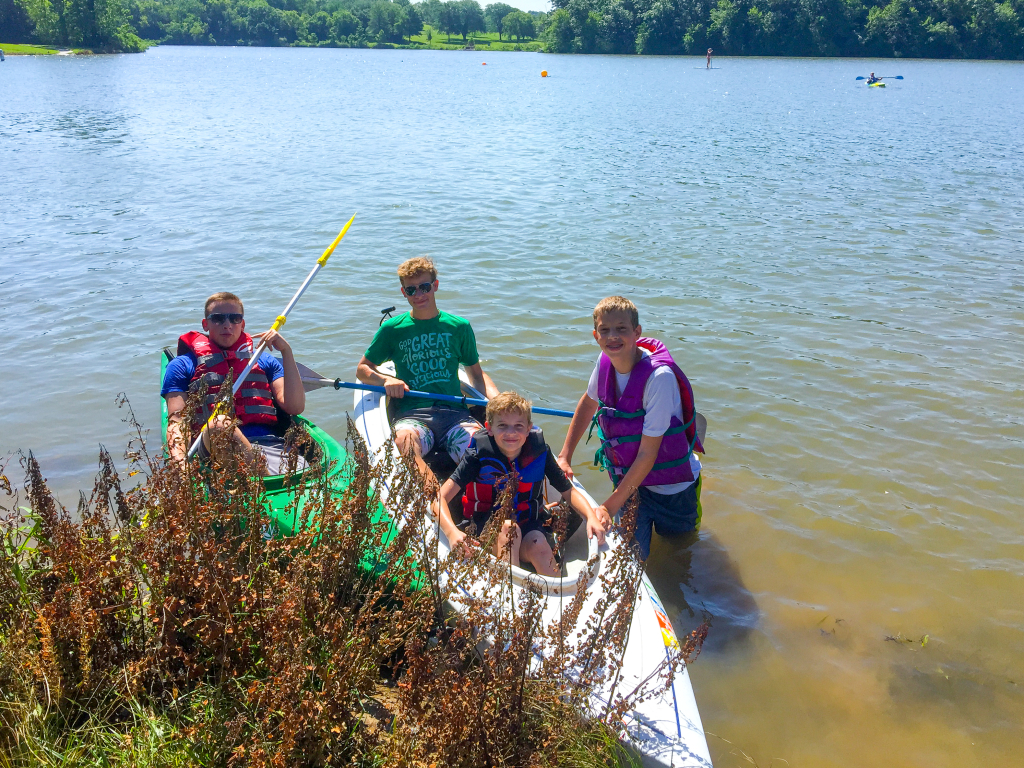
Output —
<point x="615" y="413"/>
<point x="251" y="392"/>
<point x="265" y="410"/>
<point x="689" y="453"/>
<point x="601" y="459"/>
<point x="214" y="397"/>
<point x="211" y="360"/>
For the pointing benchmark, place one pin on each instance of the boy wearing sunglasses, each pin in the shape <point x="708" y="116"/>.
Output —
<point x="642" y="405"/>
<point x="207" y="358"/>
<point x="427" y="345"/>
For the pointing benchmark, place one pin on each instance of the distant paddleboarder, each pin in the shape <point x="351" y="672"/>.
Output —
<point x="709" y="61"/>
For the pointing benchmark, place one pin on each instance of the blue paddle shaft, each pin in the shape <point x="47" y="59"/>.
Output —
<point x="339" y="384"/>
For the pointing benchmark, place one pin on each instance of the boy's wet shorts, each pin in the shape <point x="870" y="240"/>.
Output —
<point x="668" y="514"/>
<point x="272" y="448"/>
<point x="450" y="429"/>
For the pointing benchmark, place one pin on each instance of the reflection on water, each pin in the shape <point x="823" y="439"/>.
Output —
<point x="99" y="127"/>
<point x="837" y="270"/>
<point x="693" y="573"/>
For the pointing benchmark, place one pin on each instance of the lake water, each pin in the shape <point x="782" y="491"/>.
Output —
<point x="837" y="269"/>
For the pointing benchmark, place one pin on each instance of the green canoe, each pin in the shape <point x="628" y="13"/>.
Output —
<point x="281" y="490"/>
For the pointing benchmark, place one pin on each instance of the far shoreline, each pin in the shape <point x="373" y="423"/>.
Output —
<point x="534" y="46"/>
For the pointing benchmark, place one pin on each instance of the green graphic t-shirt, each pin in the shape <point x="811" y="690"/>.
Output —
<point x="427" y="353"/>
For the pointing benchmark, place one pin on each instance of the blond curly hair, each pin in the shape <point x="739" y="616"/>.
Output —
<point x="415" y="265"/>
<point x="509" y="402"/>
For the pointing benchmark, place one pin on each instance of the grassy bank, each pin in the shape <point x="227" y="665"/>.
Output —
<point x="159" y="625"/>
<point x="482" y="41"/>
<point x="23" y="49"/>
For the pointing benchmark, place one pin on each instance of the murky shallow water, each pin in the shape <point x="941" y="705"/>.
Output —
<point x="838" y="270"/>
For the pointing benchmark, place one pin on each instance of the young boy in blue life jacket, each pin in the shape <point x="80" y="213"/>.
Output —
<point x="207" y="358"/>
<point x="508" y="442"/>
<point x="642" y="405"/>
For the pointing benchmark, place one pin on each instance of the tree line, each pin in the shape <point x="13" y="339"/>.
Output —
<point x="105" y="25"/>
<point x="976" y="29"/>
<point x="464" y="17"/>
<point x="973" y="29"/>
<point x="124" y="24"/>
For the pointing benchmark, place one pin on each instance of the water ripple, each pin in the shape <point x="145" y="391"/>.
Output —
<point x="838" y="270"/>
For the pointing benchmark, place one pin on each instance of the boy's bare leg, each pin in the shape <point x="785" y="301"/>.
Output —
<point x="501" y="546"/>
<point x="239" y="442"/>
<point x="536" y="551"/>
<point x="220" y="425"/>
<point x="408" y="444"/>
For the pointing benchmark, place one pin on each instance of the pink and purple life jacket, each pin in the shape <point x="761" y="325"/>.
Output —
<point x="620" y="421"/>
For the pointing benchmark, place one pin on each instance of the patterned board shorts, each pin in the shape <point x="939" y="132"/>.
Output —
<point x="450" y="429"/>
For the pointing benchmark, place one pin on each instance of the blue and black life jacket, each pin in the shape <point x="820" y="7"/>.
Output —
<point x="482" y="495"/>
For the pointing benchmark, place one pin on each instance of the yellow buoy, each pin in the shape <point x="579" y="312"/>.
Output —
<point x="543" y="73"/>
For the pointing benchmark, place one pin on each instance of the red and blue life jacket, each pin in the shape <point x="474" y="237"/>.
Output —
<point x="483" y="494"/>
<point x="620" y="421"/>
<point x="254" y="402"/>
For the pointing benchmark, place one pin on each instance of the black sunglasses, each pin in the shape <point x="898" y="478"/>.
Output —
<point x="410" y="290"/>
<point x="218" y="318"/>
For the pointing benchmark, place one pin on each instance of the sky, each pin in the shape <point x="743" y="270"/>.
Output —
<point x="526" y="5"/>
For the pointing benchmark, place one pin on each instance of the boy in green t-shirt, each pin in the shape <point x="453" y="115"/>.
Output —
<point x="427" y="346"/>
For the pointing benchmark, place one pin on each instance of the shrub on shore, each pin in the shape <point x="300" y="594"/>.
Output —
<point x="100" y="26"/>
<point x="161" y="625"/>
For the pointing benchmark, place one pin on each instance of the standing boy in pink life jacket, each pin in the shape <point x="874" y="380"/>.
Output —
<point x="208" y="358"/>
<point x="645" y="417"/>
<point x="510" y="443"/>
<point x="427" y="345"/>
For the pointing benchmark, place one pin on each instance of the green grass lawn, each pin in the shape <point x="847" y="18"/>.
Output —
<point x="484" y="41"/>
<point x="21" y="49"/>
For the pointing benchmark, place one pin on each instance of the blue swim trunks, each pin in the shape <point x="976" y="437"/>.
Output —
<point x="668" y="514"/>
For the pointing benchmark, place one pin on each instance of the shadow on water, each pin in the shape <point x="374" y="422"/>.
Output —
<point x="693" y="572"/>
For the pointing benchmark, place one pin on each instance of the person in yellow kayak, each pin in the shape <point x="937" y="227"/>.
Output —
<point x="427" y="345"/>
<point x="872" y="79"/>
<point x="206" y="359"/>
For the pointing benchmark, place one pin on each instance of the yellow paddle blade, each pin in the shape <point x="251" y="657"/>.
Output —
<point x="330" y="249"/>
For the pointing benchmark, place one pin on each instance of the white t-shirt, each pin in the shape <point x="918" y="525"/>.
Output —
<point x="661" y="403"/>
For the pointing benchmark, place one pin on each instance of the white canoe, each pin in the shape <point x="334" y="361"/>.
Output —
<point x="666" y="729"/>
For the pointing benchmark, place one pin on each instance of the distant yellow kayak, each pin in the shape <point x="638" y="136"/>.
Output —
<point x="876" y="85"/>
